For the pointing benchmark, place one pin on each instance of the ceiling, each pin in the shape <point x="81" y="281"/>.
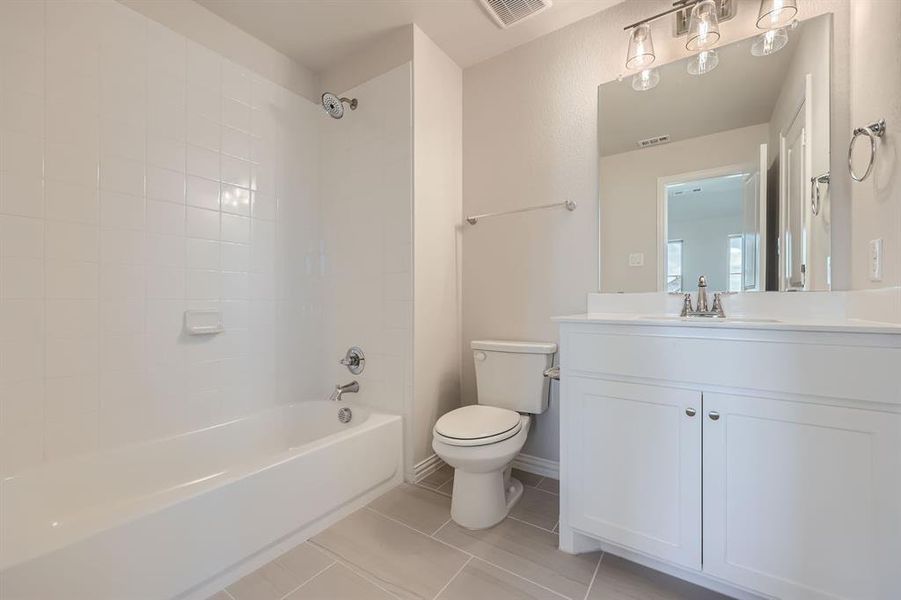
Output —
<point x="686" y="106"/>
<point x="319" y="33"/>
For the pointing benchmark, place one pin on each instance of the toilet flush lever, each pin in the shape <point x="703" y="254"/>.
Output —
<point x="552" y="373"/>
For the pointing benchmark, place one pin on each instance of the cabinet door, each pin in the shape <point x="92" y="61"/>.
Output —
<point x="802" y="500"/>
<point x="635" y="460"/>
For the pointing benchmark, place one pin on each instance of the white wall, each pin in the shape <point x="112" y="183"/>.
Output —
<point x="876" y="94"/>
<point x="529" y="137"/>
<point x="142" y="174"/>
<point x="628" y="193"/>
<point x="706" y="247"/>
<point x="438" y="181"/>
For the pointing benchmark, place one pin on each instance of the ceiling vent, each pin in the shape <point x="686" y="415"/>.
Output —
<point x="653" y="141"/>
<point x="510" y="12"/>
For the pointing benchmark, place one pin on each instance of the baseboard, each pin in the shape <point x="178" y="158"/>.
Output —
<point x="426" y="467"/>
<point x="537" y="465"/>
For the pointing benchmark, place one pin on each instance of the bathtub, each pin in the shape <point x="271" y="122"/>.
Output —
<point x="181" y="517"/>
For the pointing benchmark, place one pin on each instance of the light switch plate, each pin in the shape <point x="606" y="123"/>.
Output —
<point x="876" y="258"/>
<point x="636" y="259"/>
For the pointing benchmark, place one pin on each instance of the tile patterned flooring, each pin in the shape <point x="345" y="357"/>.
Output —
<point x="403" y="545"/>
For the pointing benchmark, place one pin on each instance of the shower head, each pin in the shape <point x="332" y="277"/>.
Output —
<point x="334" y="105"/>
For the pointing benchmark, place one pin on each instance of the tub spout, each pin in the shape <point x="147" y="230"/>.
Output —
<point x="348" y="388"/>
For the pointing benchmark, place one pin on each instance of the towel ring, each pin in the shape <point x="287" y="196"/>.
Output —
<point x="872" y="131"/>
<point x="815" y="192"/>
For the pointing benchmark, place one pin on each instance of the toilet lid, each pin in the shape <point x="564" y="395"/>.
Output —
<point x="477" y="422"/>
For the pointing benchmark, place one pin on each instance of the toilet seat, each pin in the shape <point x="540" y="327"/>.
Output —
<point x="477" y="425"/>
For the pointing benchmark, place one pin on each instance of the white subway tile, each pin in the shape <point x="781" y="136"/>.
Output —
<point x="21" y="360"/>
<point x="165" y="283"/>
<point x="166" y="217"/>
<point x="71" y="436"/>
<point x="163" y="184"/>
<point x="71" y="396"/>
<point x="72" y="163"/>
<point x="120" y="317"/>
<point x="167" y="153"/>
<point x="21" y="278"/>
<point x="66" y="279"/>
<point x="21" y="154"/>
<point x="264" y="206"/>
<point x="235" y="257"/>
<point x="165" y="250"/>
<point x="21" y="405"/>
<point x="121" y="281"/>
<point x="21" y="195"/>
<point x="122" y="138"/>
<point x="236" y="143"/>
<point x="21" y="319"/>
<point x="203" y="163"/>
<point x="120" y="174"/>
<point x="166" y="50"/>
<point x="22" y="113"/>
<point x="21" y="237"/>
<point x="72" y="318"/>
<point x="203" y="66"/>
<point x="202" y="223"/>
<point x="202" y="254"/>
<point x="67" y="357"/>
<point x="236" y="171"/>
<point x="72" y="241"/>
<point x="236" y="114"/>
<point x="22" y="25"/>
<point x="236" y="82"/>
<point x="203" y="285"/>
<point x="126" y="246"/>
<point x="235" y="229"/>
<point x="21" y="448"/>
<point x="71" y="202"/>
<point x="166" y="119"/>
<point x="22" y="71"/>
<point x="235" y="200"/>
<point x="122" y="352"/>
<point x="122" y="211"/>
<point x="202" y="193"/>
<point x="203" y="131"/>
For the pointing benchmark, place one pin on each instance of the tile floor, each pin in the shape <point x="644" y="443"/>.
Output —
<point x="404" y="545"/>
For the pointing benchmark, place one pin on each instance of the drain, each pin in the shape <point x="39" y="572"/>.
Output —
<point x="345" y="415"/>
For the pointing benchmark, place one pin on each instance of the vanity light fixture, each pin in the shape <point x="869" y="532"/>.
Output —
<point x="704" y="27"/>
<point x="641" y="47"/>
<point x="775" y="14"/>
<point x="777" y="17"/>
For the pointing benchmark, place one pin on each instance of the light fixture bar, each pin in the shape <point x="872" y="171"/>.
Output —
<point x="677" y="6"/>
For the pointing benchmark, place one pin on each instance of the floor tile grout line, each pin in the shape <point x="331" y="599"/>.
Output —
<point x="594" y="576"/>
<point x="451" y="580"/>
<point x="440" y="527"/>
<point x="357" y="570"/>
<point x="530" y="523"/>
<point x="309" y="579"/>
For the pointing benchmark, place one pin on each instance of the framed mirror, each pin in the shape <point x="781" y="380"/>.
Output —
<point x="723" y="174"/>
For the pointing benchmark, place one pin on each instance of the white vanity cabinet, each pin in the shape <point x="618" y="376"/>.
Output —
<point x="762" y="478"/>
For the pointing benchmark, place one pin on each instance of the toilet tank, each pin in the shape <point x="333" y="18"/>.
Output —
<point x="511" y="374"/>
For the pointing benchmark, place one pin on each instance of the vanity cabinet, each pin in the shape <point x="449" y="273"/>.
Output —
<point x="764" y="492"/>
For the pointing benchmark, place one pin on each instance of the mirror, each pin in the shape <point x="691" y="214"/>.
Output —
<point x="723" y="174"/>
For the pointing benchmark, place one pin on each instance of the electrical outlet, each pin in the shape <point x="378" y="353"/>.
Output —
<point x="876" y="259"/>
<point x="636" y="259"/>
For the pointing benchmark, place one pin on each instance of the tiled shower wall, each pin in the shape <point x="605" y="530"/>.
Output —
<point x="141" y="175"/>
<point x="367" y="210"/>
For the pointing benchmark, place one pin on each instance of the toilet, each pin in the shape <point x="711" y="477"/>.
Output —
<point x="480" y="441"/>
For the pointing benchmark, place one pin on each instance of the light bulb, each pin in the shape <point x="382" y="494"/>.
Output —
<point x="645" y="80"/>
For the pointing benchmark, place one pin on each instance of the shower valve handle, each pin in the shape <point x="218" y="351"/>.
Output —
<point x="354" y="360"/>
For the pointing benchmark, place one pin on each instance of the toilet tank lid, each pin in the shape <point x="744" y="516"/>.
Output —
<point x="516" y="347"/>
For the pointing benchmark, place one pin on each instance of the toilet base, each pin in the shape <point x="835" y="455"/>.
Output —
<point x="482" y="500"/>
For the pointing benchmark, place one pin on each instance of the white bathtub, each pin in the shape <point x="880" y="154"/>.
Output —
<point x="183" y="516"/>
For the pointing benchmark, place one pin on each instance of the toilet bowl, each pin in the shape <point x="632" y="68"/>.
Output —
<point x="480" y="441"/>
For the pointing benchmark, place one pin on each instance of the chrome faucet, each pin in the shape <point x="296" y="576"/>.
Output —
<point x="348" y="388"/>
<point x="716" y="311"/>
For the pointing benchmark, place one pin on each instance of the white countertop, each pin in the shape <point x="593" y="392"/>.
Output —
<point x="737" y="322"/>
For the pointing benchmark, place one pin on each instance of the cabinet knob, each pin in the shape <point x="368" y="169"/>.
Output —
<point x="690" y="411"/>
<point x="714" y="416"/>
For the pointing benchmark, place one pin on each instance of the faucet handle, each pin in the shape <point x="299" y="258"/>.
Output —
<point x="702" y="281"/>
<point x="686" y="305"/>
<point x="718" y="305"/>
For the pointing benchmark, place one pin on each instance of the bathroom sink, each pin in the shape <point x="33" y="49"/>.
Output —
<point x="725" y="320"/>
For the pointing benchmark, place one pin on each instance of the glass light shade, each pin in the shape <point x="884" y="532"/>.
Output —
<point x="770" y="42"/>
<point x="774" y="14"/>
<point x="641" y="48"/>
<point x="704" y="62"/>
<point x="645" y="80"/>
<point x="704" y="26"/>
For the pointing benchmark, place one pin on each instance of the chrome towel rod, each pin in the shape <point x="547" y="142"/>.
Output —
<point x="568" y="205"/>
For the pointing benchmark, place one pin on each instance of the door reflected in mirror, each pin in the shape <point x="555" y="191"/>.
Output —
<point x="714" y="174"/>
